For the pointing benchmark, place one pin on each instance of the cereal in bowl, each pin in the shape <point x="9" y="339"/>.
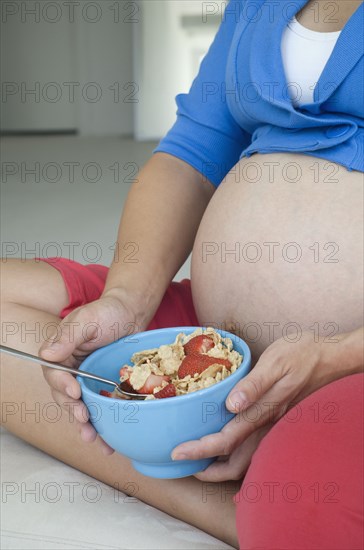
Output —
<point x="191" y="363"/>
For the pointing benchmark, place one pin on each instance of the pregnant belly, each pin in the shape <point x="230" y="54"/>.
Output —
<point x="280" y="250"/>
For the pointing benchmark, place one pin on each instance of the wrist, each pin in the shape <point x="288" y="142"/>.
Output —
<point x="140" y="307"/>
<point x="342" y="356"/>
<point x="140" y="286"/>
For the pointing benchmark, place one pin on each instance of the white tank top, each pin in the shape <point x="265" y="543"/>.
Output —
<point x="304" y="54"/>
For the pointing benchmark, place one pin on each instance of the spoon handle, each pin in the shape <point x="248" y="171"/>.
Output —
<point x="57" y="366"/>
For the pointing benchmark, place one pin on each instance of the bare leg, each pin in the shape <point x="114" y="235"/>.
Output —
<point x="33" y="293"/>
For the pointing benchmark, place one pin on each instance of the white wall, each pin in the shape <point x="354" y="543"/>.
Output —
<point x="167" y="56"/>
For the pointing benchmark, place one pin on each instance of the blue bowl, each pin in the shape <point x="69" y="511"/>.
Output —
<point x="147" y="431"/>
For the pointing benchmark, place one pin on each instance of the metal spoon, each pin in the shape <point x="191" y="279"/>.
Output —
<point x="76" y="372"/>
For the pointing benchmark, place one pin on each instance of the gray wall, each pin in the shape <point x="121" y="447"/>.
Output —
<point x="77" y="56"/>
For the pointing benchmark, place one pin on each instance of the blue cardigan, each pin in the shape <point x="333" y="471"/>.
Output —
<point x="239" y="104"/>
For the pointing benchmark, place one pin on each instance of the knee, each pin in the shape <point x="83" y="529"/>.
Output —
<point x="33" y="283"/>
<point x="15" y="275"/>
<point x="7" y="275"/>
<point x="304" y="479"/>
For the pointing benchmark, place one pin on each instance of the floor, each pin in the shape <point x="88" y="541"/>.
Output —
<point x="47" y="505"/>
<point x="63" y="195"/>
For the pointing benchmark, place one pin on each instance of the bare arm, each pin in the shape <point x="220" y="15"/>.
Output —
<point x="157" y="230"/>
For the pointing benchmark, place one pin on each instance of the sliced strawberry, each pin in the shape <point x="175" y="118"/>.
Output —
<point x="199" y="344"/>
<point x="153" y="381"/>
<point x="105" y="393"/>
<point x="197" y="363"/>
<point x="167" y="391"/>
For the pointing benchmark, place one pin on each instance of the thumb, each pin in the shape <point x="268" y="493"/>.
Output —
<point x="252" y="387"/>
<point x="70" y="334"/>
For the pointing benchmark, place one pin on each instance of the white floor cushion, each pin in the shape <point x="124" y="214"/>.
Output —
<point x="48" y="505"/>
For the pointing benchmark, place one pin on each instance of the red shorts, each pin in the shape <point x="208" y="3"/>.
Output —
<point x="304" y="488"/>
<point x="85" y="283"/>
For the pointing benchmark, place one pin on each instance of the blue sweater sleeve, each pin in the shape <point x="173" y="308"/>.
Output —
<point x="205" y="135"/>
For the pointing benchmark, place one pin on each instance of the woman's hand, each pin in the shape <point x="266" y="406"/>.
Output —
<point x="285" y="373"/>
<point x="83" y="331"/>
<point x="234" y="465"/>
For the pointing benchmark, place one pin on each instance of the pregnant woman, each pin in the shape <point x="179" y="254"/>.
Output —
<point x="262" y="176"/>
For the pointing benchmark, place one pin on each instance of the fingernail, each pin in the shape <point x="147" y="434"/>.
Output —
<point x="52" y="347"/>
<point x="179" y="456"/>
<point x="78" y="414"/>
<point x="106" y="451"/>
<point x="70" y="392"/>
<point x="237" y="401"/>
